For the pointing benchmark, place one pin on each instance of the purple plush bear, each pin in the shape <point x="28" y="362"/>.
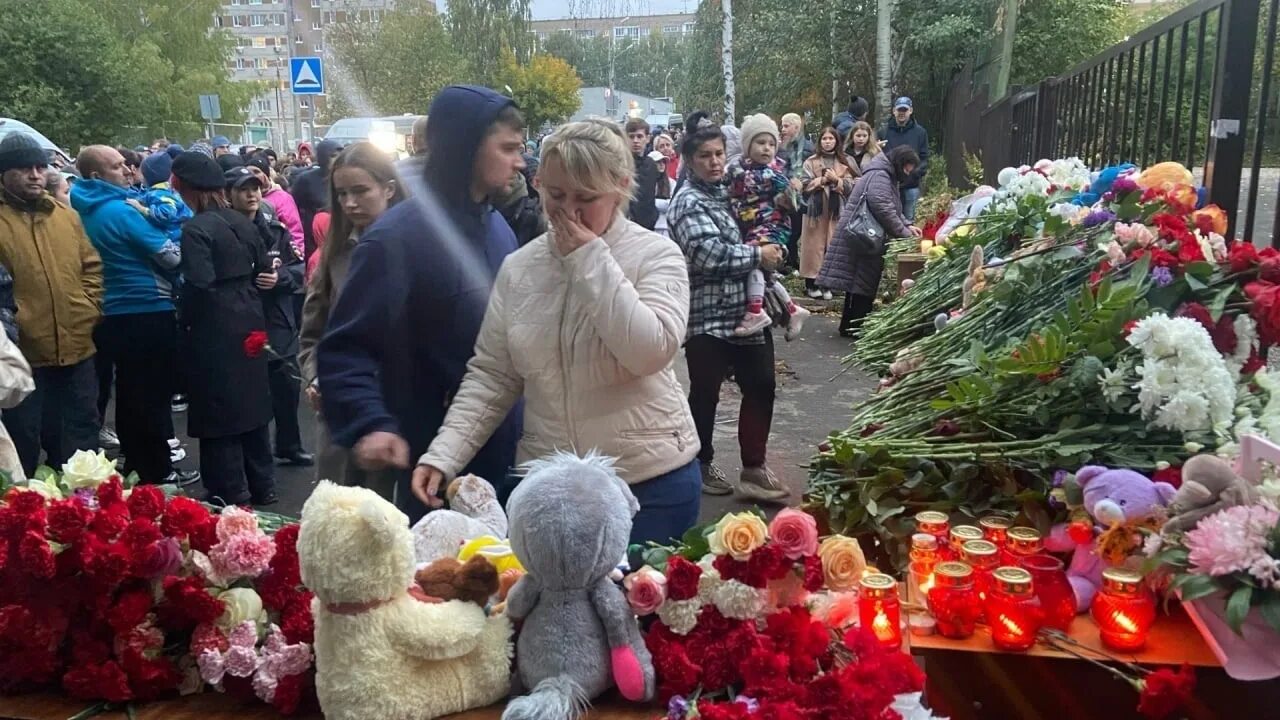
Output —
<point x="1110" y="497"/>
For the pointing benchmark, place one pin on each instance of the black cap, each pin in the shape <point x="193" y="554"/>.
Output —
<point x="238" y="177"/>
<point x="260" y="161"/>
<point x="198" y="171"/>
<point x="230" y="160"/>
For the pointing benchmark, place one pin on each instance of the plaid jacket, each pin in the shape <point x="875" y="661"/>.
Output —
<point x="704" y="227"/>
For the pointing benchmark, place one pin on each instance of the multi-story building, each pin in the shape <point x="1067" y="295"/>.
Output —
<point x="620" y="28"/>
<point x="268" y="33"/>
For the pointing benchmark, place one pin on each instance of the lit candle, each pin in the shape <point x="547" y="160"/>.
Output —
<point x="961" y="534"/>
<point x="879" y="610"/>
<point x="1020" y="542"/>
<point x="1123" y="610"/>
<point x="953" y="600"/>
<point x="934" y="523"/>
<point x="1012" y="610"/>
<point x="995" y="528"/>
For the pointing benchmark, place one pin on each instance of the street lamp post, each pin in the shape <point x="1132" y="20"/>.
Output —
<point x="666" y="90"/>
<point x="612" y="105"/>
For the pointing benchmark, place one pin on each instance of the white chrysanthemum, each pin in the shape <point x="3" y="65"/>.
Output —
<point x="707" y="584"/>
<point x="1113" y="384"/>
<point x="681" y="616"/>
<point x="1184" y="383"/>
<point x="1246" y="338"/>
<point x="740" y="601"/>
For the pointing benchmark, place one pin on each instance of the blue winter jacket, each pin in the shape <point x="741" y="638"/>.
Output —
<point x="165" y="209"/>
<point x="139" y="261"/>
<point x="405" y="325"/>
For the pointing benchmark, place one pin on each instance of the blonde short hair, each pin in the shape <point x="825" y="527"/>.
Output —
<point x="794" y="118"/>
<point x="596" y="155"/>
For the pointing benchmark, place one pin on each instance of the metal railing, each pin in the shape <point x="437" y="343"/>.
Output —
<point x="1184" y="88"/>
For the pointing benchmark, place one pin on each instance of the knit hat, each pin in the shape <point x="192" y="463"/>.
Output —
<point x="220" y="141"/>
<point x="20" y="150"/>
<point x="226" y="162"/>
<point x="202" y="148"/>
<point x="156" y="168"/>
<point x="759" y="124"/>
<point x="858" y="106"/>
<point x="174" y="150"/>
<point x="198" y="171"/>
<point x="260" y="161"/>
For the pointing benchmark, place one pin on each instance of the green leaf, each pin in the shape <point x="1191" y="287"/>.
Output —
<point x="1200" y="270"/>
<point x="1270" y="610"/>
<point x="1194" y="282"/>
<point x="1197" y="586"/>
<point x="44" y="473"/>
<point x="656" y="557"/>
<point x="1238" y="607"/>
<point x="1219" y="301"/>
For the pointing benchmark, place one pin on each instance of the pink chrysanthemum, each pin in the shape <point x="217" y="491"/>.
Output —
<point x="1230" y="541"/>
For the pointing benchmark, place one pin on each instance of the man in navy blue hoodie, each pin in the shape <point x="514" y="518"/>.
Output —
<point x="405" y="324"/>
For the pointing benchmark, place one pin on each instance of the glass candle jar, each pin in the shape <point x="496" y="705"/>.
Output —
<point x="953" y="601"/>
<point x="981" y="555"/>
<point x="879" y="610"/>
<point x="924" y="549"/>
<point x="1052" y="588"/>
<point x="1020" y="542"/>
<point x="995" y="528"/>
<point x="933" y="523"/>
<point x="1123" y="609"/>
<point x="1013" y="612"/>
<point x="961" y="534"/>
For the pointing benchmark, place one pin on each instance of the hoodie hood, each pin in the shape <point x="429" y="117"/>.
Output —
<point x="460" y="119"/>
<point x="325" y="152"/>
<point x="88" y="194"/>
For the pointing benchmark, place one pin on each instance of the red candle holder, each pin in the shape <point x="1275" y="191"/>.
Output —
<point x="1013" y="612"/>
<point x="981" y="555"/>
<point x="1053" y="590"/>
<point x="1020" y="542"/>
<point x="924" y="549"/>
<point x="879" y="610"/>
<point x="953" y="601"/>
<point x="1123" y="609"/>
<point x="961" y="534"/>
<point x="995" y="528"/>
<point x="934" y="523"/>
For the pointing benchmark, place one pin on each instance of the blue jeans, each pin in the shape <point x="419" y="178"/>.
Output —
<point x="909" y="198"/>
<point x="669" y="505"/>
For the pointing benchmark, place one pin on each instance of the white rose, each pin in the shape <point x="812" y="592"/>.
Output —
<point x="87" y="469"/>
<point x="48" y="490"/>
<point x="243" y="604"/>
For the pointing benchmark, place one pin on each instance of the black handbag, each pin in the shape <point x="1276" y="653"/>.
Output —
<point x="863" y="232"/>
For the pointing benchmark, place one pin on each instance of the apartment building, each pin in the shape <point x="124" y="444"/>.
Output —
<point x="621" y="28"/>
<point x="267" y="34"/>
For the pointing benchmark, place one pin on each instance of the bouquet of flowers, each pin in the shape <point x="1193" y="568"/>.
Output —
<point x="117" y="592"/>
<point x="752" y="619"/>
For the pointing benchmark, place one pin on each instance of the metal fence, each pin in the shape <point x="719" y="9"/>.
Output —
<point x="1185" y="88"/>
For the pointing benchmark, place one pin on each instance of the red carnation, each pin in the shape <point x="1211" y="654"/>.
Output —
<point x="87" y="649"/>
<point x="36" y="556"/>
<point x="287" y="540"/>
<point x="150" y="677"/>
<point x="130" y="609"/>
<point x="813" y="575"/>
<point x="677" y="674"/>
<point x="182" y="515"/>
<point x="111" y="491"/>
<point x="682" y="578"/>
<point x="768" y="562"/>
<point x="110" y="521"/>
<point x="1189" y="251"/>
<point x="24" y="502"/>
<point x="1197" y="312"/>
<point x="1164" y="692"/>
<point x="146" y="501"/>
<point x="1265" y="309"/>
<point x="1224" y="335"/>
<point x="719" y="667"/>
<point x="107" y="563"/>
<point x="289" y="692"/>
<point x="1242" y="256"/>
<point x="190" y="598"/>
<point x="98" y="682"/>
<point x="67" y="520"/>
<point x="1171" y="475"/>
<point x="1253" y="364"/>
<point x="275" y="589"/>
<point x="728" y="568"/>
<point x="297" y="623"/>
<point x="784" y="711"/>
<point x="12" y="525"/>
<point x="713" y="710"/>
<point x="208" y="637"/>
<point x="205" y="535"/>
<point x="254" y="343"/>
<point x="141" y="533"/>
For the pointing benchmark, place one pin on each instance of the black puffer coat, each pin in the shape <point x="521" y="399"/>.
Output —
<point x="842" y="269"/>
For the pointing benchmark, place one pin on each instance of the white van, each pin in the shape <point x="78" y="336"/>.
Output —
<point x="9" y="125"/>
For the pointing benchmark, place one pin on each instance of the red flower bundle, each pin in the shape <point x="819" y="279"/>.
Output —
<point x="254" y="343"/>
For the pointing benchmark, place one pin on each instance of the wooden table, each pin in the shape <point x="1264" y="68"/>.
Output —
<point x="215" y="706"/>
<point x="970" y="678"/>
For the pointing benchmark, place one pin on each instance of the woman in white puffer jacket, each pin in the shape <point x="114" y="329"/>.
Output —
<point x="585" y="322"/>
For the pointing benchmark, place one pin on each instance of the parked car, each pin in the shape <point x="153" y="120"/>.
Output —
<point x="57" y="156"/>
<point x="393" y="134"/>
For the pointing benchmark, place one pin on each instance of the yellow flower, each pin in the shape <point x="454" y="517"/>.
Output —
<point x="843" y="563"/>
<point x="736" y="535"/>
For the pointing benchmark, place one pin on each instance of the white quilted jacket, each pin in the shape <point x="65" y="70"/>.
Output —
<point x="589" y="340"/>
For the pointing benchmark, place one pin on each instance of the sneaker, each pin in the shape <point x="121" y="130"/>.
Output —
<point x="178" y="404"/>
<point x="183" y="478"/>
<point x="177" y="455"/>
<point x="107" y="439"/>
<point x="814" y="293"/>
<point x="759" y="483"/>
<point x="796" y="323"/>
<point x="174" y="443"/>
<point x="713" y="480"/>
<point x="826" y="295"/>
<point x="752" y="323"/>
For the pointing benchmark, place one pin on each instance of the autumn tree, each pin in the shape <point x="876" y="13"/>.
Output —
<point x="546" y="89"/>
<point x="483" y="29"/>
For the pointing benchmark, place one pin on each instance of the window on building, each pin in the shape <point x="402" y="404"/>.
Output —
<point x="235" y="2"/>
<point x="318" y="48"/>
<point x="255" y="2"/>
<point x="670" y="29"/>
<point x="315" y="24"/>
<point x="688" y="27"/>
<point x="330" y="17"/>
<point x="585" y="33"/>
<point x="262" y="106"/>
<point x="297" y="40"/>
<point x="258" y="41"/>
<point x="542" y="35"/>
<point x="257" y="20"/>
<point x="631" y="31"/>
<point x="644" y="32"/>
<point x="270" y="42"/>
<point x="375" y="16"/>
<point x="237" y="21"/>
<point x="315" y="3"/>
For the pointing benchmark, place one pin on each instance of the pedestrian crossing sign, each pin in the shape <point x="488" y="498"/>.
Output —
<point x="306" y="77"/>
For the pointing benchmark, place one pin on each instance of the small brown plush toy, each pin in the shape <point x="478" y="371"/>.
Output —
<point x="474" y="581"/>
<point x="1209" y="484"/>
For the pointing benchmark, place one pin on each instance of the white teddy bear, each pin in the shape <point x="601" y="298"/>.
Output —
<point x="473" y="511"/>
<point x="380" y="651"/>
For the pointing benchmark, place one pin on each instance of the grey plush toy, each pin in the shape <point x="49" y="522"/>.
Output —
<point x="570" y="520"/>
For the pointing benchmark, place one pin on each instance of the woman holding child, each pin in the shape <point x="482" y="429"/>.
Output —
<point x="614" y="299"/>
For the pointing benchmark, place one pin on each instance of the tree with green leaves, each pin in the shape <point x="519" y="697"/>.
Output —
<point x="392" y="67"/>
<point x="649" y="66"/>
<point x="483" y="29"/>
<point x="546" y="89"/>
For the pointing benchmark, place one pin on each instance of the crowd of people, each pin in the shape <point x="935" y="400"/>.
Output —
<point x="484" y="302"/>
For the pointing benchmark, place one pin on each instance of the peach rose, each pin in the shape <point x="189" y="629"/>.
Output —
<point x="796" y="532"/>
<point x="646" y="590"/>
<point x="843" y="563"/>
<point x="738" y="534"/>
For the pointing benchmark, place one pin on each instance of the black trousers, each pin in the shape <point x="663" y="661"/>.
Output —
<point x="106" y="371"/>
<point x="793" y="240"/>
<point x="282" y="375"/>
<point x="60" y="416"/>
<point x="238" y="468"/>
<point x="856" y="309"/>
<point x="144" y="348"/>
<point x="710" y="359"/>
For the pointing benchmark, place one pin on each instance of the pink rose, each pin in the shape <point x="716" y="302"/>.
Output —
<point x="646" y="590"/>
<point x="236" y="521"/>
<point x="796" y="532"/>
